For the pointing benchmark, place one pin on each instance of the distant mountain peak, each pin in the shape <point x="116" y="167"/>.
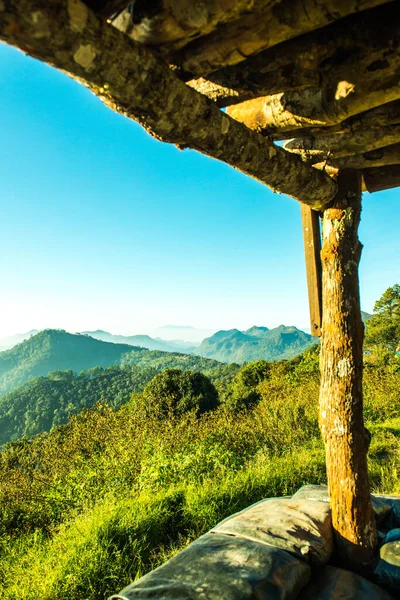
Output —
<point x="256" y="330"/>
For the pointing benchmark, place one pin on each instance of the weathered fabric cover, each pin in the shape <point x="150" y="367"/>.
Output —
<point x="302" y="527"/>
<point x="382" y="505"/>
<point x="387" y="571"/>
<point x="222" y="567"/>
<point x="331" y="583"/>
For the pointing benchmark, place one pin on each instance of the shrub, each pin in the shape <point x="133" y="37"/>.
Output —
<point x="174" y="392"/>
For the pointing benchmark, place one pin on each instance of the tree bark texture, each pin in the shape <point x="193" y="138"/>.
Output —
<point x="381" y="178"/>
<point x="341" y="402"/>
<point x="131" y="80"/>
<point x="354" y="45"/>
<point x="354" y="78"/>
<point x="234" y="42"/>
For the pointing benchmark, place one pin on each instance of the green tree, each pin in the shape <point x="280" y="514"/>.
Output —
<point x="178" y="392"/>
<point x="384" y="326"/>
<point x="243" y="390"/>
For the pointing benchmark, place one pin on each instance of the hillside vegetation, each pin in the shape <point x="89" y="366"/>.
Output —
<point x="95" y="503"/>
<point x="44" y="402"/>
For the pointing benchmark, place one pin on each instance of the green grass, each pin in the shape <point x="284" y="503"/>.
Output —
<point x="94" y="504"/>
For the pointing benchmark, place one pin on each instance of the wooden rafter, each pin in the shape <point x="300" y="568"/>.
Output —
<point x="381" y="116"/>
<point x="130" y="79"/>
<point x="232" y="43"/>
<point x="173" y="24"/>
<point x="351" y="79"/>
<point x="331" y="147"/>
<point x="335" y="52"/>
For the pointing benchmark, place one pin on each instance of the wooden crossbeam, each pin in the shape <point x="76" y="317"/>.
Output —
<point x="312" y="251"/>
<point x="131" y="80"/>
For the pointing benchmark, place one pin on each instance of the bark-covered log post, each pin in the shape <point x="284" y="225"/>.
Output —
<point x="341" y="402"/>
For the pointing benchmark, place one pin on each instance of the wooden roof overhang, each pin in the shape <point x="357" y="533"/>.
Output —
<point x="323" y="77"/>
<point x="320" y="76"/>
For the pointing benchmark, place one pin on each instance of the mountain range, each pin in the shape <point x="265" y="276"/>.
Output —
<point x="255" y="343"/>
<point x="145" y="341"/>
<point x="56" y="350"/>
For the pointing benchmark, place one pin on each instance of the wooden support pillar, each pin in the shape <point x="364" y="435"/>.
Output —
<point x="312" y="251"/>
<point x="341" y="404"/>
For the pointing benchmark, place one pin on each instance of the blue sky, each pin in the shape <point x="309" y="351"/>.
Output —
<point x="104" y="227"/>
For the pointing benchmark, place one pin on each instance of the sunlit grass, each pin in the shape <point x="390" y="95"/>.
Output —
<point x="90" y="507"/>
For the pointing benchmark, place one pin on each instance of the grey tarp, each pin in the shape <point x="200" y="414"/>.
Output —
<point x="331" y="583"/>
<point x="387" y="571"/>
<point x="302" y="527"/>
<point x="319" y="493"/>
<point x="222" y="567"/>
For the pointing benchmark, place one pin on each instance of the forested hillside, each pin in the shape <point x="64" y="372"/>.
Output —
<point x="46" y="401"/>
<point x="55" y="350"/>
<point x="255" y="343"/>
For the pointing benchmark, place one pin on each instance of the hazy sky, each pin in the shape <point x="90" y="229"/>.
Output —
<point x="103" y="227"/>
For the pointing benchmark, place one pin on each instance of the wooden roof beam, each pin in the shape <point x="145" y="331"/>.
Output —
<point x="107" y="8"/>
<point x="173" y="24"/>
<point x="131" y="80"/>
<point x="359" y="81"/>
<point x="360" y="39"/>
<point x="332" y="147"/>
<point x="381" y="178"/>
<point x="381" y="157"/>
<point x="232" y="43"/>
<point x="381" y="116"/>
